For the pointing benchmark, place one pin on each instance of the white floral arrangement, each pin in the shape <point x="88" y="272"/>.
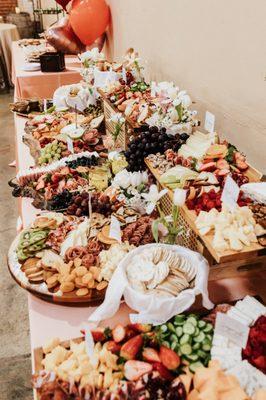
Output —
<point x="131" y="186"/>
<point x="171" y="108"/>
<point x="132" y="63"/>
<point x="91" y="57"/>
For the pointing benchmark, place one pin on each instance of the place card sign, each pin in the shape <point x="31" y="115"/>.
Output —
<point x="209" y="122"/>
<point x="230" y="193"/>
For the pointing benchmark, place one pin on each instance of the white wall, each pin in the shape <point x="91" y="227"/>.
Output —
<point x="215" y="49"/>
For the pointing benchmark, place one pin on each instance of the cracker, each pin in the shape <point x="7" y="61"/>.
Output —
<point x="82" y="292"/>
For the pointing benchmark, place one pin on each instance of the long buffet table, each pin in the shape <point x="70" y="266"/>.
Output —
<point x="51" y="320"/>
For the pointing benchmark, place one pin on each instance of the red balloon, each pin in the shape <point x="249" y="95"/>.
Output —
<point x="89" y="19"/>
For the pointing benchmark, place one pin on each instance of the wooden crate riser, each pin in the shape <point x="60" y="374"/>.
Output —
<point x="126" y="130"/>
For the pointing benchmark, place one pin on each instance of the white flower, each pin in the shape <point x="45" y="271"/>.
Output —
<point x="125" y="179"/>
<point x="136" y="179"/>
<point x="122" y="179"/>
<point x="179" y="197"/>
<point x="113" y="155"/>
<point x="117" y="118"/>
<point x="153" y="197"/>
<point x="176" y="102"/>
<point x="92" y="55"/>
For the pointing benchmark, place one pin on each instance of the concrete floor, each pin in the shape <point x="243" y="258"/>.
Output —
<point x="15" y="362"/>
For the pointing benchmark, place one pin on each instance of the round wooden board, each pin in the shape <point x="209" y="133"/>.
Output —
<point x="94" y="298"/>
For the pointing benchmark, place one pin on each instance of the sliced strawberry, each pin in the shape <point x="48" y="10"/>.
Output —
<point x="169" y="358"/>
<point x="130" y="349"/>
<point x="133" y="369"/>
<point x="151" y="355"/>
<point x="98" y="335"/>
<point x="119" y="333"/>
<point x="113" y="347"/>
<point x="141" y="328"/>
<point x="164" y="372"/>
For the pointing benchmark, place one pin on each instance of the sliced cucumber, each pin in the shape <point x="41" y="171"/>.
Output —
<point x="184" y="339"/>
<point x="196" y="346"/>
<point x="201" y="354"/>
<point x="197" y="331"/>
<point x="166" y="344"/>
<point x="208" y="328"/>
<point x="186" y="349"/>
<point x="188" y="328"/>
<point x="179" y="331"/>
<point x="199" y="338"/>
<point x="192" y="320"/>
<point x="195" y="365"/>
<point x="163" y="328"/>
<point x="206" y="347"/>
<point x="201" y="324"/>
<point x="174" y="346"/>
<point x="192" y="357"/>
<point x="173" y="338"/>
<point x="209" y="337"/>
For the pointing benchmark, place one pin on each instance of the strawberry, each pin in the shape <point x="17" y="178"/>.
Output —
<point x="164" y="372"/>
<point x="141" y="328"/>
<point x="100" y="334"/>
<point x="169" y="358"/>
<point x="210" y="204"/>
<point x="130" y="349"/>
<point x="119" y="333"/>
<point x="113" y="347"/>
<point x="151" y="355"/>
<point x="133" y="369"/>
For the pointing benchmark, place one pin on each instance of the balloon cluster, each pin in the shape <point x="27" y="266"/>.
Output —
<point x="86" y="22"/>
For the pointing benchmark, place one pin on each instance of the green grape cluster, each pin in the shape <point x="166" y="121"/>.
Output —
<point x="51" y="152"/>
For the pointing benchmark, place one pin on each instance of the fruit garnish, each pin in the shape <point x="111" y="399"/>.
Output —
<point x="130" y="349"/>
<point x="151" y="355"/>
<point x="119" y="333"/>
<point x="133" y="369"/>
<point x="169" y="358"/>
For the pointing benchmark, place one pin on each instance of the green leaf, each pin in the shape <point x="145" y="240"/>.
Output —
<point x="155" y="229"/>
<point x="179" y="110"/>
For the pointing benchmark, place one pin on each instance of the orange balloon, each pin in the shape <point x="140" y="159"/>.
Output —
<point x="89" y="19"/>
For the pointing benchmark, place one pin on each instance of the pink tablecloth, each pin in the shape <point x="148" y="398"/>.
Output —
<point x="41" y="84"/>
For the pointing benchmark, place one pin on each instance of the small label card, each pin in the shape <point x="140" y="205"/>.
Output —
<point x="115" y="229"/>
<point x="230" y="193"/>
<point x="209" y="122"/>
<point x="232" y="329"/>
<point x="70" y="144"/>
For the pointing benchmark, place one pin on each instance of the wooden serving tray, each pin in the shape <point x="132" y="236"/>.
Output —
<point x="92" y="299"/>
<point x="249" y="252"/>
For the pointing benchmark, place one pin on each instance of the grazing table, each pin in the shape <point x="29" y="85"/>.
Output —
<point x="37" y="84"/>
<point x="51" y="320"/>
